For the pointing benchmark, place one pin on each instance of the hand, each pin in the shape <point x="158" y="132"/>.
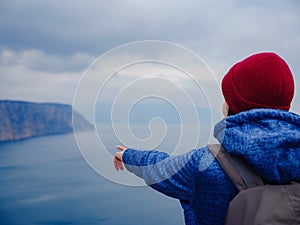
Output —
<point x="118" y="162"/>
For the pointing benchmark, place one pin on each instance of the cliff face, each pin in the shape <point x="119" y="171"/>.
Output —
<point x="19" y="120"/>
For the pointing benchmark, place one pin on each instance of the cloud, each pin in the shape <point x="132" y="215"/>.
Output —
<point x="36" y="59"/>
<point x="46" y="46"/>
<point x="35" y="76"/>
<point x="96" y="26"/>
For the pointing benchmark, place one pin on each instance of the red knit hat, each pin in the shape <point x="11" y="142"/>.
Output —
<point x="262" y="80"/>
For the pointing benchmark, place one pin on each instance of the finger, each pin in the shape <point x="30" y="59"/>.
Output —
<point x="122" y="148"/>
<point x="120" y="164"/>
<point x="116" y="164"/>
<point x="118" y="156"/>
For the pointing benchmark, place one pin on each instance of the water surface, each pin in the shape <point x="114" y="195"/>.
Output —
<point x="46" y="181"/>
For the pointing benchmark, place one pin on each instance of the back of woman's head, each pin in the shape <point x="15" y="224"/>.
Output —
<point x="262" y="80"/>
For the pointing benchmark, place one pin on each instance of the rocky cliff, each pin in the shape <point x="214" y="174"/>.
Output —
<point x="20" y="120"/>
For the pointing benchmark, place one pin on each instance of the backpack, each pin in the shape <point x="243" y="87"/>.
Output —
<point x="257" y="203"/>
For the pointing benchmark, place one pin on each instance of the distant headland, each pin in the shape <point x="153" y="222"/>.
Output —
<point x="21" y="120"/>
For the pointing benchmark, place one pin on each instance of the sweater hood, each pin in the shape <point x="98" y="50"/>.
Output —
<point x="268" y="139"/>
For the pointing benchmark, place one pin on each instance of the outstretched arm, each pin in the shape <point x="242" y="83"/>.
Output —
<point x="171" y="175"/>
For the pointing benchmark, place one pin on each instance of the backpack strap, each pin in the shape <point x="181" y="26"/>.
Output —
<point x="240" y="173"/>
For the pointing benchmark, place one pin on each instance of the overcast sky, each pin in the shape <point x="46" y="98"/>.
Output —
<point x="45" y="46"/>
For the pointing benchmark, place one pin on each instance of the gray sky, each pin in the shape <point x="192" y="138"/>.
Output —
<point x="45" y="46"/>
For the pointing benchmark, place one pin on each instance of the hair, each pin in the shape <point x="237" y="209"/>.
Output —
<point x="230" y="112"/>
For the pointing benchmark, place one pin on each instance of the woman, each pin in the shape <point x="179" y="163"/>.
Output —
<point x="257" y="126"/>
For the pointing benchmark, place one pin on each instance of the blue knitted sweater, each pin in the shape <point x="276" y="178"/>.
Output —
<point x="268" y="139"/>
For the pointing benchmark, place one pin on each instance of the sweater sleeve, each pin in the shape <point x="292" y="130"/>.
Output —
<point x="170" y="175"/>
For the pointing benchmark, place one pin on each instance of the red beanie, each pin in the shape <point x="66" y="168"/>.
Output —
<point x="262" y="80"/>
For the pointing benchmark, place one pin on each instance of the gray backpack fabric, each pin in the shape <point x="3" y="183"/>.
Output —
<point x="257" y="203"/>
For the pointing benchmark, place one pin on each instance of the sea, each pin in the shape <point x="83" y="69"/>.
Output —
<point x="46" y="180"/>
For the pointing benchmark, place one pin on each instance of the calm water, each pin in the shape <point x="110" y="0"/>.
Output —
<point x="45" y="181"/>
